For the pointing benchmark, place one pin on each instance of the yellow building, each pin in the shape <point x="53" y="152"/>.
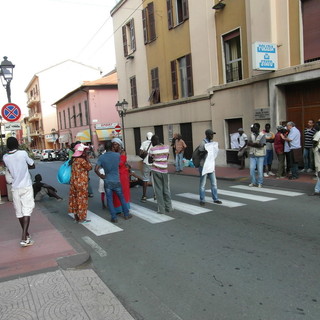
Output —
<point x="193" y="65"/>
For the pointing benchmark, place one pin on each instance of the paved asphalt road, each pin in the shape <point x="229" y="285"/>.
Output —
<point x="254" y="257"/>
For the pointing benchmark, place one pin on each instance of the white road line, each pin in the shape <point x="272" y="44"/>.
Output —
<point x="185" y="207"/>
<point x="147" y="214"/>
<point x="225" y="203"/>
<point x="248" y="196"/>
<point x="98" y="225"/>
<point x="270" y="190"/>
<point x="94" y="246"/>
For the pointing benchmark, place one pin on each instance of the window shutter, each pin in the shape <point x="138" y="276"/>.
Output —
<point x="189" y="75"/>
<point x="174" y="79"/>
<point x="132" y="35"/>
<point x="144" y="24"/>
<point x="134" y="98"/>
<point x="170" y="14"/>
<point x="155" y="93"/>
<point x="124" y="40"/>
<point x="185" y="10"/>
<point x="151" y="22"/>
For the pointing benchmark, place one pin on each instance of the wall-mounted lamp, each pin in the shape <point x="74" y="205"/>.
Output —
<point x="219" y="6"/>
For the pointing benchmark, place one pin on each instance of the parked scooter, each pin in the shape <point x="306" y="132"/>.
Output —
<point x="61" y="155"/>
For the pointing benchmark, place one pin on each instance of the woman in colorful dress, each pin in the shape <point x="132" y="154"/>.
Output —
<point x="117" y="146"/>
<point x="78" y="197"/>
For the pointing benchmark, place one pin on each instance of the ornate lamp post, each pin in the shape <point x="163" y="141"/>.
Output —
<point x="6" y="75"/>
<point x="122" y="108"/>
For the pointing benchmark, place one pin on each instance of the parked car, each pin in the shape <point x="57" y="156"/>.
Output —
<point x="36" y="153"/>
<point x="47" y="154"/>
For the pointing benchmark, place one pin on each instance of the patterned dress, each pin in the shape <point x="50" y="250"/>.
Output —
<point x="78" y="196"/>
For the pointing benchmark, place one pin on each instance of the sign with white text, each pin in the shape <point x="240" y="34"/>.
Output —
<point x="12" y="126"/>
<point x="264" y="56"/>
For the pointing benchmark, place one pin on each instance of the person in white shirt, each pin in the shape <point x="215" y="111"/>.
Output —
<point x="146" y="169"/>
<point x="18" y="163"/>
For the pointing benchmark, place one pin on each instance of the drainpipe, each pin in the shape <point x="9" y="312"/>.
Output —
<point x="89" y="116"/>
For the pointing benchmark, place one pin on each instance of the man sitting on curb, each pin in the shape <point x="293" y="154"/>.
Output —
<point x="41" y="189"/>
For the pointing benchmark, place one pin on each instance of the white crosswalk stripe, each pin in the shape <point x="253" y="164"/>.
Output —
<point x="270" y="190"/>
<point x="98" y="225"/>
<point x="225" y="203"/>
<point x="241" y="195"/>
<point x="185" y="207"/>
<point x="147" y="214"/>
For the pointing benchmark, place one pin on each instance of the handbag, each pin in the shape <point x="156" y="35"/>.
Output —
<point x="150" y="158"/>
<point x="64" y="173"/>
<point x="144" y="153"/>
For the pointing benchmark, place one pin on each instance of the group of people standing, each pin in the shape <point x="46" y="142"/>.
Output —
<point x="286" y="143"/>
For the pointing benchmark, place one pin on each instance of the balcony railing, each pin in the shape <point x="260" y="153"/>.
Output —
<point x="233" y="71"/>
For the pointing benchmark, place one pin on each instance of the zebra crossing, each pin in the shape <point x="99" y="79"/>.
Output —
<point x="100" y="226"/>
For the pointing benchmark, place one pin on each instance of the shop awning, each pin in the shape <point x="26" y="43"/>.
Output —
<point x="107" y="134"/>
<point x="84" y="136"/>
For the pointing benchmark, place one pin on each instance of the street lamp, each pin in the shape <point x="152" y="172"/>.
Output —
<point x="122" y="108"/>
<point x="6" y="74"/>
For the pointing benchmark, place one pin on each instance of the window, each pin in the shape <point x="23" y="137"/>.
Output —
<point x="311" y="29"/>
<point x="134" y="97"/>
<point x="155" y="87"/>
<point x="177" y="11"/>
<point x="232" y="55"/>
<point x="148" y="22"/>
<point x="60" y="120"/>
<point x="74" y="116"/>
<point x="182" y="81"/>
<point x="64" y="119"/>
<point x="80" y="114"/>
<point x="128" y="38"/>
<point x="86" y="111"/>
<point x="69" y="117"/>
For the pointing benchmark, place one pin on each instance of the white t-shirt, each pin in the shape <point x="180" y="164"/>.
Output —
<point x="17" y="162"/>
<point x="144" y="147"/>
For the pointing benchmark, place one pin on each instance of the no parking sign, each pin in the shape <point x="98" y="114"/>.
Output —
<point x="11" y="112"/>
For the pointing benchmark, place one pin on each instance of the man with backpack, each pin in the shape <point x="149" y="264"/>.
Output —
<point x="208" y="151"/>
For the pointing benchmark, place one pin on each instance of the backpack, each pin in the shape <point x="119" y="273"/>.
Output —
<point x="197" y="155"/>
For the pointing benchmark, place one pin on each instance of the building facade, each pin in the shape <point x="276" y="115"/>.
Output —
<point x="46" y="87"/>
<point x="88" y="113"/>
<point x="223" y="67"/>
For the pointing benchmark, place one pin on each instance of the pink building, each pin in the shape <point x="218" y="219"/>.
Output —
<point x="88" y="113"/>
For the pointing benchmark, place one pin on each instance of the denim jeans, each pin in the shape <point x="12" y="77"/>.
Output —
<point x="213" y="184"/>
<point x="317" y="186"/>
<point x="256" y="163"/>
<point x="116" y="187"/>
<point x="179" y="163"/>
<point x="308" y="158"/>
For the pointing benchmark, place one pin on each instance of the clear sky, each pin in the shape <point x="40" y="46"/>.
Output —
<point x="37" y="34"/>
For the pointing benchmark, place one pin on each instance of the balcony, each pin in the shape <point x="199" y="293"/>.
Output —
<point x="36" y="133"/>
<point x="33" y="101"/>
<point x="34" y="117"/>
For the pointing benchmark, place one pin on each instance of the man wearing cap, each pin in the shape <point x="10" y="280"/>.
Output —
<point x="146" y="169"/>
<point x="210" y="150"/>
<point x="109" y="161"/>
<point x="257" y="143"/>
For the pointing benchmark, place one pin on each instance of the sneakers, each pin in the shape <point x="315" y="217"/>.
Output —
<point x="202" y="203"/>
<point x="114" y="220"/>
<point x="26" y="243"/>
<point x="303" y="170"/>
<point x="129" y="216"/>
<point x="309" y="170"/>
<point x="217" y="201"/>
<point x="252" y="185"/>
<point x="271" y="173"/>
<point x="265" y="175"/>
<point x="259" y="185"/>
<point x="143" y="199"/>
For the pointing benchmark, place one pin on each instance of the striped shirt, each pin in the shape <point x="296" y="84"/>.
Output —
<point x="308" y="136"/>
<point x="160" y="154"/>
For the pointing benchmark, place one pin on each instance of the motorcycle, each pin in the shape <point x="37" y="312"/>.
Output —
<point x="61" y="155"/>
